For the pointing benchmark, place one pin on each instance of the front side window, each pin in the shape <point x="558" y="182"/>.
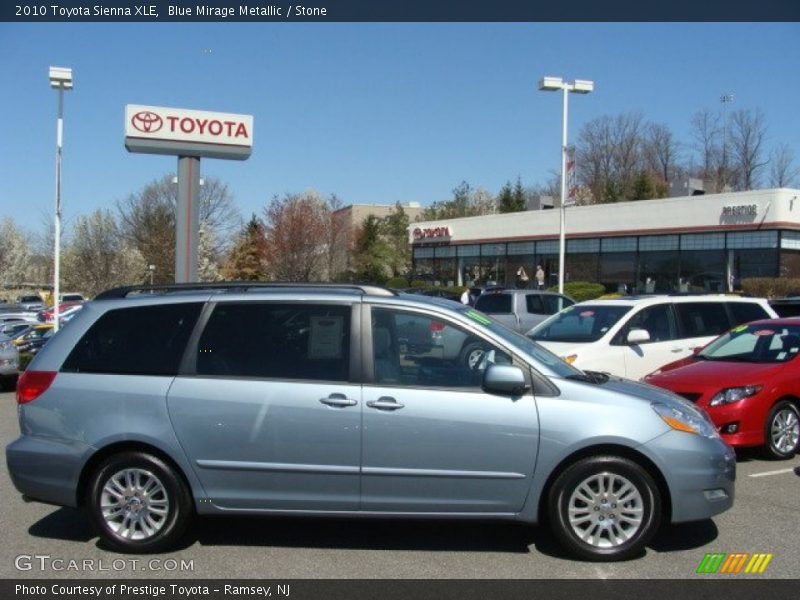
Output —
<point x="416" y="350"/>
<point x="278" y="341"/>
<point x="142" y="340"/>
<point x="656" y="320"/>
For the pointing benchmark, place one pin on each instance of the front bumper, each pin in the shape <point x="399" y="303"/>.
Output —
<point x="46" y="470"/>
<point x="700" y="473"/>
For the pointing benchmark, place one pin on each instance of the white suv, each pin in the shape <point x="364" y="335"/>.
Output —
<point x="632" y="337"/>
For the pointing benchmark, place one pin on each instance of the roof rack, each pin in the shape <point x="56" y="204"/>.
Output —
<point x="237" y="286"/>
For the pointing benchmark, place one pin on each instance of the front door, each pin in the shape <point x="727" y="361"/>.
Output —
<point x="663" y="347"/>
<point x="433" y="441"/>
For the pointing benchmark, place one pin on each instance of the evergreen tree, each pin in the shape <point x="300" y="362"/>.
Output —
<point x="247" y="260"/>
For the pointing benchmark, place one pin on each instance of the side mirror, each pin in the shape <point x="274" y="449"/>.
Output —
<point x="696" y="350"/>
<point x="505" y="379"/>
<point x="638" y="336"/>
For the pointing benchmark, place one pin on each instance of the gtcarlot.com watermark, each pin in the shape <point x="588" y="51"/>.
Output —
<point x="47" y="562"/>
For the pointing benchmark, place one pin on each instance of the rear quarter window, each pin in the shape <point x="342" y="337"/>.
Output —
<point x="702" y="319"/>
<point x="142" y="340"/>
<point x="494" y="304"/>
<point x="744" y="312"/>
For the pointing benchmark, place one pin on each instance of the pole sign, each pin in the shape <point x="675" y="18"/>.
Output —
<point x="184" y="132"/>
<point x="189" y="135"/>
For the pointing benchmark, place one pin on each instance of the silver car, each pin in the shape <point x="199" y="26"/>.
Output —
<point x="262" y="399"/>
<point x="521" y="310"/>
<point x="9" y="361"/>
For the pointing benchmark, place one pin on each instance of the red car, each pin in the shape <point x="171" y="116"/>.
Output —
<point x="47" y="315"/>
<point x="748" y="380"/>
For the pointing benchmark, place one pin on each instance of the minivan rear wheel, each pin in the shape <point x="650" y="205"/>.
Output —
<point x="604" y="508"/>
<point x="138" y="503"/>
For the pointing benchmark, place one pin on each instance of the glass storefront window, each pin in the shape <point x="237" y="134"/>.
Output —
<point x="618" y="271"/>
<point x="657" y="272"/>
<point x="581" y="267"/>
<point x="703" y="271"/>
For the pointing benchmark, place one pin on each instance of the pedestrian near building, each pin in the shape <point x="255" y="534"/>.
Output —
<point x="539" y="277"/>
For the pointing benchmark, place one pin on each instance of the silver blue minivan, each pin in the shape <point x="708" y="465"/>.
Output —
<point x="158" y="404"/>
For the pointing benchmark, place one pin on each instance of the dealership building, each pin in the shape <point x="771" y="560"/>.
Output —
<point x="702" y="243"/>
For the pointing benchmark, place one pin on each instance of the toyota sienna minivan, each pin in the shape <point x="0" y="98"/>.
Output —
<point x="158" y="404"/>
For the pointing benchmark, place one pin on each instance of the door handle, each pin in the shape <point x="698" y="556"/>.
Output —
<point x="677" y="350"/>
<point x="338" y="401"/>
<point x="385" y="403"/>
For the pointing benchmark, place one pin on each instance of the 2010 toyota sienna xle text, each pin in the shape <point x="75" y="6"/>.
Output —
<point x="154" y="405"/>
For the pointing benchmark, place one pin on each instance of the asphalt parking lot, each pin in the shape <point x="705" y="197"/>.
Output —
<point x="764" y="519"/>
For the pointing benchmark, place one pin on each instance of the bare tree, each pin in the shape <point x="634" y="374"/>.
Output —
<point x="296" y="228"/>
<point x="609" y="156"/>
<point x="466" y="202"/>
<point x="748" y="132"/>
<point x="147" y="219"/>
<point x="783" y="171"/>
<point x="660" y="150"/>
<point x="706" y="133"/>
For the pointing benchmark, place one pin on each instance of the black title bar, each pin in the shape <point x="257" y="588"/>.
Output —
<point x="399" y="10"/>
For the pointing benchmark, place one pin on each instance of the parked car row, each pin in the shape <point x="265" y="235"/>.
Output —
<point x="746" y="379"/>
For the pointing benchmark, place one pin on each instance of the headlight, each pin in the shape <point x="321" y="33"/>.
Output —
<point x="6" y="345"/>
<point x="730" y="395"/>
<point x="686" y="419"/>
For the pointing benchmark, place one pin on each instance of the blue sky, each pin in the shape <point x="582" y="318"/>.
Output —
<point x="376" y="113"/>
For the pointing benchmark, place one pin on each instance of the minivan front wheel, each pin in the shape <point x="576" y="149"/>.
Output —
<point x="138" y="503"/>
<point x="604" y="508"/>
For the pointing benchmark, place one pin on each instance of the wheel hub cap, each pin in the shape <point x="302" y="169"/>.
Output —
<point x="134" y="504"/>
<point x="785" y="431"/>
<point x="605" y="510"/>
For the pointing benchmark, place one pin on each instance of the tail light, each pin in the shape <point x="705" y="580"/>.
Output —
<point x="436" y="326"/>
<point x="33" y="384"/>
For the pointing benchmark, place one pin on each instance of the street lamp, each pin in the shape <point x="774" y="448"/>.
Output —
<point x="579" y="86"/>
<point x="61" y="80"/>
<point x="152" y="269"/>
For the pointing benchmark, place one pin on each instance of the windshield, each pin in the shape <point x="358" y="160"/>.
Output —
<point x="541" y="355"/>
<point x="755" y="343"/>
<point x="579" y="323"/>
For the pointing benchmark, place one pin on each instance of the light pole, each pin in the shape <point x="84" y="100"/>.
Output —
<point x="61" y="80"/>
<point x="579" y="86"/>
<point x="152" y="269"/>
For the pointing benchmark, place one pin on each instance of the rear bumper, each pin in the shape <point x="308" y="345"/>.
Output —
<point x="46" y="470"/>
<point x="699" y="471"/>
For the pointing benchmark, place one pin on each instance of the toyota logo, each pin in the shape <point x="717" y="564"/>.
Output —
<point x="147" y="122"/>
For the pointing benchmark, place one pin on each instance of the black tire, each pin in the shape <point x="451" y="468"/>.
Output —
<point x="471" y="355"/>
<point x="169" y="496"/>
<point x="602" y="520"/>
<point x="781" y="431"/>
